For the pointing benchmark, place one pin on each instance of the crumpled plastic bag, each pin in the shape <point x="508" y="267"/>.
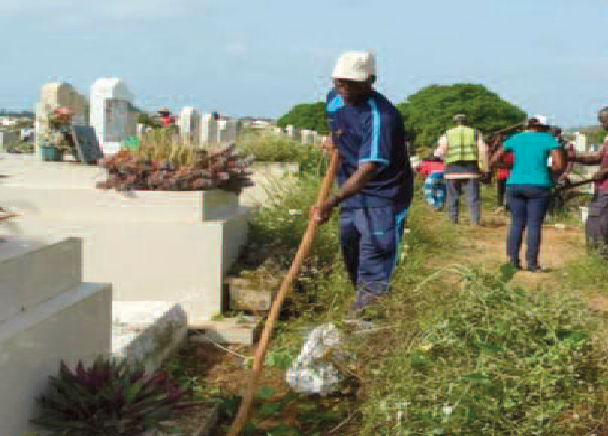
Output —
<point x="310" y="373"/>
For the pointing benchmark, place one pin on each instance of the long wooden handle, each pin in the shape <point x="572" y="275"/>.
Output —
<point x="294" y="271"/>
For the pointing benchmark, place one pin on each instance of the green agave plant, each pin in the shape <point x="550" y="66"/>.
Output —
<point x="109" y="398"/>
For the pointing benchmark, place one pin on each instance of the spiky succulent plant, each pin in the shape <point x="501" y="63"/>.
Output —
<point x="109" y="398"/>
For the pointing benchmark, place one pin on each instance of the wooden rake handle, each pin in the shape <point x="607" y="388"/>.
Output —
<point x="294" y="271"/>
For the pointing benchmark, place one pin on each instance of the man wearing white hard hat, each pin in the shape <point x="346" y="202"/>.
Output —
<point x="529" y="186"/>
<point x="375" y="176"/>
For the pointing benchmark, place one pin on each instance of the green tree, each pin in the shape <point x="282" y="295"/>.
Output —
<point x="429" y="112"/>
<point x="306" y="116"/>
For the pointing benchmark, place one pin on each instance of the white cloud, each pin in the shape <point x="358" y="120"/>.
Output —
<point x="237" y="48"/>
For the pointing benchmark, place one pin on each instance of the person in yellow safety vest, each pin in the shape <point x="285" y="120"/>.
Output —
<point x="466" y="159"/>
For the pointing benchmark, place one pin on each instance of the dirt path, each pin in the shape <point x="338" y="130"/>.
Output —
<point x="560" y="245"/>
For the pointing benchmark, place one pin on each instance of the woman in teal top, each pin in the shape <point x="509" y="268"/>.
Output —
<point x="529" y="186"/>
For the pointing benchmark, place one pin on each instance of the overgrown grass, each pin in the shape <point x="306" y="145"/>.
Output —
<point x="498" y="360"/>
<point x="588" y="274"/>
<point x="462" y="350"/>
<point x="267" y="148"/>
<point x="165" y="145"/>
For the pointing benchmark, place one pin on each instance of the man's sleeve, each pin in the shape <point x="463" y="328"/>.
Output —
<point x="378" y="144"/>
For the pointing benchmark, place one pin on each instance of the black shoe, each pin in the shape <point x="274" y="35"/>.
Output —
<point x="535" y="269"/>
<point x="517" y="265"/>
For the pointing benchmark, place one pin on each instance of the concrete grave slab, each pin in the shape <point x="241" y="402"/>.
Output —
<point x="152" y="245"/>
<point x="147" y="331"/>
<point x="62" y="323"/>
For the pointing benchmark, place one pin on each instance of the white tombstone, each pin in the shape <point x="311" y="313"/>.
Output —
<point x="293" y="133"/>
<point x="315" y="138"/>
<point x="112" y="113"/>
<point x="222" y="131"/>
<point x="208" y="130"/>
<point x="6" y="138"/>
<point x="52" y="96"/>
<point x="581" y="142"/>
<point x="307" y="137"/>
<point x="233" y="130"/>
<point x="140" y="130"/>
<point x="278" y="132"/>
<point x="189" y="124"/>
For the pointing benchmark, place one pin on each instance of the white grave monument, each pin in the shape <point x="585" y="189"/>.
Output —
<point x="308" y="137"/>
<point x="6" y="138"/>
<point x="52" y="96"/>
<point x="112" y="113"/>
<point x="223" y="133"/>
<point x="189" y="125"/>
<point x="140" y="130"/>
<point x="293" y="133"/>
<point x="208" y="130"/>
<point x="233" y="128"/>
<point x="581" y="142"/>
<point x="47" y="314"/>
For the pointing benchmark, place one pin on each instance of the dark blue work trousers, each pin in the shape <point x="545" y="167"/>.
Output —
<point x="371" y="238"/>
<point x="529" y="205"/>
<point x="472" y="189"/>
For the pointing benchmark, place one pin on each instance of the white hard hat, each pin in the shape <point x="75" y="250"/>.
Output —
<point x="355" y="65"/>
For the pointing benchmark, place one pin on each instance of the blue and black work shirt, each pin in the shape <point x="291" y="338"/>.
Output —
<point x="372" y="131"/>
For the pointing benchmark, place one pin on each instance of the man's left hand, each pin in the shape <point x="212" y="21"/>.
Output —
<point x="322" y="214"/>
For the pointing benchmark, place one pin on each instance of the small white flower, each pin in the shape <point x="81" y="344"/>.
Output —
<point x="447" y="410"/>
<point x="295" y="212"/>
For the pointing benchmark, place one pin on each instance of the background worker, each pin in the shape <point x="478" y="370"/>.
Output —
<point x="596" y="228"/>
<point x="529" y="187"/>
<point x="375" y="176"/>
<point x="465" y="156"/>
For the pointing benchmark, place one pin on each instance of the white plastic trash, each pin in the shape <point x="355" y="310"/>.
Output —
<point x="309" y="373"/>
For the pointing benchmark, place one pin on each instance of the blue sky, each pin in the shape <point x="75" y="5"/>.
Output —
<point x="262" y="57"/>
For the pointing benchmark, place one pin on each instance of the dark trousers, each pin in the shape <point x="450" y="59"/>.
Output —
<point x="370" y="239"/>
<point x="471" y="187"/>
<point x="596" y="228"/>
<point x="529" y="206"/>
<point x="501" y="187"/>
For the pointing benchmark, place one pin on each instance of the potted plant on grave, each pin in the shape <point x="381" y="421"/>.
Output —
<point x="56" y="142"/>
<point x="109" y="398"/>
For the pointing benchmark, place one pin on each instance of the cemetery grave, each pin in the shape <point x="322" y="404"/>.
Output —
<point x="193" y="272"/>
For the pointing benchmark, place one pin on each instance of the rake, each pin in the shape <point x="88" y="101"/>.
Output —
<point x="303" y="250"/>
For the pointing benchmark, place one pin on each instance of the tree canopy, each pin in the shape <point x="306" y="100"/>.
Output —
<point x="306" y="116"/>
<point x="429" y="112"/>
